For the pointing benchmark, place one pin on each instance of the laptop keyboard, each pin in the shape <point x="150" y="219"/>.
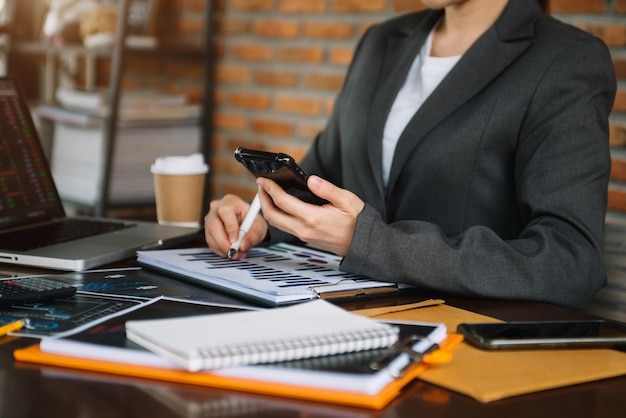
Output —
<point x="56" y="233"/>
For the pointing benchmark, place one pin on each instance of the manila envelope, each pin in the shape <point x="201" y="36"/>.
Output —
<point x="491" y="375"/>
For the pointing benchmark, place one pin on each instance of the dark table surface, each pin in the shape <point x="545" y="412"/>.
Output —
<point x="33" y="391"/>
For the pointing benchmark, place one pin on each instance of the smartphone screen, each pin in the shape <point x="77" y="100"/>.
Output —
<point x="281" y="168"/>
<point x="544" y="334"/>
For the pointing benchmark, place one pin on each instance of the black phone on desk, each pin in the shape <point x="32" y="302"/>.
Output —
<point x="281" y="168"/>
<point x="544" y="334"/>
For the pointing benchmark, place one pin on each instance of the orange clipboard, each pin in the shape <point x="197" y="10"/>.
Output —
<point x="33" y="354"/>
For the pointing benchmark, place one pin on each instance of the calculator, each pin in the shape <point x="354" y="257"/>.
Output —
<point x="22" y="290"/>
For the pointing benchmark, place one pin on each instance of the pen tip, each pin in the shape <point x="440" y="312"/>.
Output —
<point x="231" y="253"/>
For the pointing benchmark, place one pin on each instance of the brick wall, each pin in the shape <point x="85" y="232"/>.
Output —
<point x="280" y="63"/>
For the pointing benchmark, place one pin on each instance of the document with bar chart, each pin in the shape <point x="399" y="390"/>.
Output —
<point x="275" y="275"/>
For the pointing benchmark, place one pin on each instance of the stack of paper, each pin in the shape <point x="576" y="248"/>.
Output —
<point x="345" y="379"/>
<point x="276" y="275"/>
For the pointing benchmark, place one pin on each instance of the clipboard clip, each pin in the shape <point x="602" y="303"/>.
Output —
<point x="432" y="355"/>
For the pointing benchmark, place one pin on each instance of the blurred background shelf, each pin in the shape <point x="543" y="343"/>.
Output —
<point x="109" y="134"/>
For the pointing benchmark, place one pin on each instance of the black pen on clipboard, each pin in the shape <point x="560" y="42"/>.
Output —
<point x="431" y="354"/>
<point x="253" y="211"/>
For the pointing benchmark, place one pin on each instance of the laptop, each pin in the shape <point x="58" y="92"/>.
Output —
<point x="33" y="223"/>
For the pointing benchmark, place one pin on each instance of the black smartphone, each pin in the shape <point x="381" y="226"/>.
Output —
<point x="544" y="334"/>
<point x="281" y="168"/>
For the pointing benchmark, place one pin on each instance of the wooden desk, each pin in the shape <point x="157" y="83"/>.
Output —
<point x="33" y="391"/>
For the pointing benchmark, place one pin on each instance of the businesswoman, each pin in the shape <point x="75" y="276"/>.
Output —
<point x="467" y="153"/>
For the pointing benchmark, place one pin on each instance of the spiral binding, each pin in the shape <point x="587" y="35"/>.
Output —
<point x="286" y="350"/>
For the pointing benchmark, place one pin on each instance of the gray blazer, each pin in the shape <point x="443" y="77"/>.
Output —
<point x="498" y="186"/>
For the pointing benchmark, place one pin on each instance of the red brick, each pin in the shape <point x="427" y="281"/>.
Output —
<point x="258" y="101"/>
<point x="276" y="78"/>
<point x="577" y="6"/>
<point x="331" y="82"/>
<point x="272" y="127"/>
<point x="302" y="6"/>
<point x="618" y="170"/>
<point x="231" y="26"/>
<point x="346" y="6"/>
<point x="330" y="104"/>
<point x="250" y="5"/>
<point x="404" y="6"/>
<point x="229" y="121"/>
<point x="274" y="28"/>
<point x="617" y="199"/>
<point x="232" y="74"/>
<point x="305" y="54"/>
<point x="252" y="52"/>
<point x="297" y="105"/>
<point x="617" y="135"/>
<point x="329" y="30"/>
<point x="341" y="55"/>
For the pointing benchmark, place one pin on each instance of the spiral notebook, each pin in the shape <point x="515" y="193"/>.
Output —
<point x="311" y="329"/>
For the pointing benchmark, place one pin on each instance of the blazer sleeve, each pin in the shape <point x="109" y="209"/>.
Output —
<point x="561" y="174"/>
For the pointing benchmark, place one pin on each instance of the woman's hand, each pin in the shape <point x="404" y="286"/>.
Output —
<point x="329" y="227"/>
<point x="221" y="226"/>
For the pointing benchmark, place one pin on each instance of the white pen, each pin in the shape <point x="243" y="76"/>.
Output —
<point x="253" y="211"/>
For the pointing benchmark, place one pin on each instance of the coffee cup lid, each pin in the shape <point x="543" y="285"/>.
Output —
<point x="178" y="164"/>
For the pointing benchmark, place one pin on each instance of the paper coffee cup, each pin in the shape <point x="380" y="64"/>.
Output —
<point x="179" y="189"/>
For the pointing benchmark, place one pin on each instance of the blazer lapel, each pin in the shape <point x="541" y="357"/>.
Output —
<point x="402" y="48"/>
<point x="487" y="58"/>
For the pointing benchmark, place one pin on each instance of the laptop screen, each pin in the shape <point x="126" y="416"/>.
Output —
<point x="27" y="191"/>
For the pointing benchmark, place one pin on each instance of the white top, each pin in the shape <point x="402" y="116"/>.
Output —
<point x="424" y="76"/>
